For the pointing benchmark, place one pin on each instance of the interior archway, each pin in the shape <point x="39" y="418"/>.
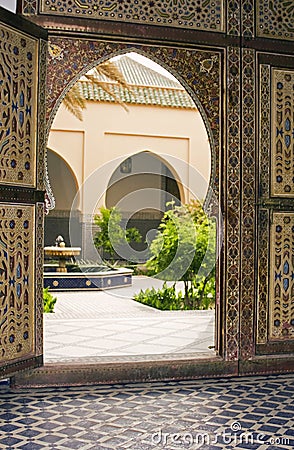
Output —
<point x="208" y="117"/>
<point x="143" y="187"/>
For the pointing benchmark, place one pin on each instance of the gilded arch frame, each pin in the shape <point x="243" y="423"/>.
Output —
<point x="199" y="70"/>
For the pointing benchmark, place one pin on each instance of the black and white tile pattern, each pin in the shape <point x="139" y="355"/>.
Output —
<point x="105" y="324"/>
<point x="244" y="413"/>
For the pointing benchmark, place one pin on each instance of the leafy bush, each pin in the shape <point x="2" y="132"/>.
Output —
<point x="111" y="235"/>
<point x="167" y="298"/>
<point x="185" y="243"/>
<point x="49" y="301"/>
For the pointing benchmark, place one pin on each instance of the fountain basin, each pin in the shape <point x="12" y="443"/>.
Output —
<point x="63" y="254"/>
<point x="87" y="279"/>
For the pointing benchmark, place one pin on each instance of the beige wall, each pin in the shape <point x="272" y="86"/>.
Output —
<point x="121" y="193"/>
<point x="108" y="134"/>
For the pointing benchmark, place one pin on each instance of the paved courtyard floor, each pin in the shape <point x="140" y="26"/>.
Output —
<point x="244" y="413"/>
<point x="100" y="325"/>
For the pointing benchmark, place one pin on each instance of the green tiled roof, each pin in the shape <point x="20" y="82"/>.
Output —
<point x="147" y="87"/>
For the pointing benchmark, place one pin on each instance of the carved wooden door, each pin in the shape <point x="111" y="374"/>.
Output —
<point x="275" y="326"/>
<point x="22" y="102"/>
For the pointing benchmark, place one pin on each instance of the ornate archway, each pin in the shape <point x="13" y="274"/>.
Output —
<point x="236" y="60"/>
<point x="70" y="58"/>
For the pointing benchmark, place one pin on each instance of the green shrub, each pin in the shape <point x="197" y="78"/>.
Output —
<point x="49" y="301"/>
<point x="167" y="298"/>
<point x="111" y="235"/>
<point x="186" y="243"/>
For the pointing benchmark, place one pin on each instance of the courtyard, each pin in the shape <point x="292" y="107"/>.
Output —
<point x="95" y="325"/>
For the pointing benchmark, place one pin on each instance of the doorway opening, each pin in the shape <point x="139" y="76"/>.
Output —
<point x="143" y="187"/>
<point x="149" y="138"/>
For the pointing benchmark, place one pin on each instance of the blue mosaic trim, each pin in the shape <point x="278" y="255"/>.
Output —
<point x="4" y="383"/>
<point x="63" y="282"/>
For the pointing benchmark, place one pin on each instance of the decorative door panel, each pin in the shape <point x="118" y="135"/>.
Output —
<point x="282" y="154"/>
<point x="19" y="58"/>
<point x="275" y="307"/>
<point x="281" y="277"/>
<point x="275" y="19"/>
<point x="17" y="280"/>
<point x="22" y="47"/>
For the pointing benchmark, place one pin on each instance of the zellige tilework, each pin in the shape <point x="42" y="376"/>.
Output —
<point x="245" y="413"/>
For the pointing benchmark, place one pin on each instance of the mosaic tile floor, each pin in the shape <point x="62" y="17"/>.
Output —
<point x="103" y="324"/>
<point x="244" y="413"/>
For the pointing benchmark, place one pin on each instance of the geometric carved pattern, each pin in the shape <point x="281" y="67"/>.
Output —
<point x="18" y="81"/>
<point x="233" y="18"/>
<point x="247" y="20"/>
<point x="264" y="130"/>
<point x="275" y="19"/>
<point x="248" y="204"/>
<point x="29" y="6"/>
<point x="194" y="14"/>
<point x="283" y="133"/>
<point x="264" y="140"/>
<point x="41" y="136"/>
<point x="282" y="277"/>
<point x="39" y="261"/>
<point x="233" y="190"/>
<point x="16" y="281"/>
<point x="263" y="264"/>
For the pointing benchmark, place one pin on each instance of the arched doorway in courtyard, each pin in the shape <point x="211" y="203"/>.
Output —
<point x="177" y="169"/>
<point x="143" y="187"/>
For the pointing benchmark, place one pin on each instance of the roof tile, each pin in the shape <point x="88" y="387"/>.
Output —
<point x="147" y="87"/>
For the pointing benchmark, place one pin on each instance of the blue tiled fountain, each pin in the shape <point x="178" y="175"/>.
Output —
<point x="64" y="275"/>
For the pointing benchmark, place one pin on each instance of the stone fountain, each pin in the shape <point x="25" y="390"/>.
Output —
<point x="62" y="253"/>
<point x="80" y="276"/>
